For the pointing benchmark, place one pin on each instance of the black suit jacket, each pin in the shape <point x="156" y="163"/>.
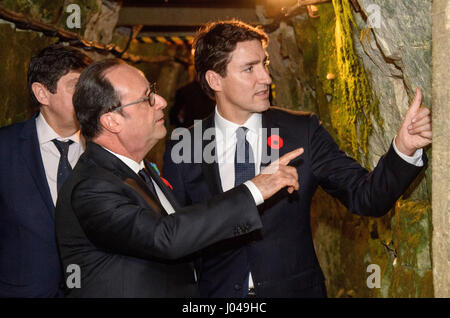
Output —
<point x="29" y="260"/>
<point x="281" y="255"/>
<point x="111" y="225"/>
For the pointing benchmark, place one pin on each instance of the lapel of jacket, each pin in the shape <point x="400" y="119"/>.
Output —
<point x="166" y="191"/>
<point x="108" y="161"/>
<point x="266" y="125"/>
<point x="211" y="170"/>
<point x="271" y="128"/>
<point x="31" y="153"/>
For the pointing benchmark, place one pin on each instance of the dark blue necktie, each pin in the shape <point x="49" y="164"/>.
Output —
<point x="244" y="169"/>
<point x="244" y="162"/>
<point x="64" y="167"/>
<point x="148" y="181"/>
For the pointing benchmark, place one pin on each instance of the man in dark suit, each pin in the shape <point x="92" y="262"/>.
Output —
<point x="116" y="220"/>
<point x="191" y="103"/>
<point x="279" y="260"/>
<point x="29" y="167"/>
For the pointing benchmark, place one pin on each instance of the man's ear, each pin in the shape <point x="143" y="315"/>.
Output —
<point x="214" y="80"/>
<point x="41" y="93"/>
<point x="111" y="122"/>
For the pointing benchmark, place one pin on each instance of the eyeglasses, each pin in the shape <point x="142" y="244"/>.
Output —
<point x="151" y="98"/>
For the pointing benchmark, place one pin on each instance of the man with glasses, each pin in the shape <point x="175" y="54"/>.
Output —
<point x="118" y="226"/>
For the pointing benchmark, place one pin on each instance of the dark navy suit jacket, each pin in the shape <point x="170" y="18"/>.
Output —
<point x="281" y="255"/>
<point x="29" y="261"/>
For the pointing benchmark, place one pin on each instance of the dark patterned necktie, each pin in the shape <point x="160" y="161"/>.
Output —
<point x="244" y="169"/>
<point x="148" y="181"/>
<point x="244" y="162"/>
<point x="64" y="167"/>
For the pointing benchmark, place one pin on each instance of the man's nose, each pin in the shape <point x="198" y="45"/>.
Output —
<point x="160" y="102"/>
<point x="264" y="77"/>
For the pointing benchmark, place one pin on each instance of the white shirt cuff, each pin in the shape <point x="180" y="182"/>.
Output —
<point x="257" y="196"/>
<point x="415" y="159"/>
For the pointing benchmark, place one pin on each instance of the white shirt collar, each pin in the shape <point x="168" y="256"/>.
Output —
<point x="133" y="165"/>
<point x="223" y="125"/>
<point x="46" y="133"/>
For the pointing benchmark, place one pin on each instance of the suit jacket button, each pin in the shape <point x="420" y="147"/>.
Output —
<point x="237" y="287"/>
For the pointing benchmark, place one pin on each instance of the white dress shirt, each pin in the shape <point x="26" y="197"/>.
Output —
<point x="50" y="154"/>
<point x="136" y="167"/>
<point x="226" y="149"/>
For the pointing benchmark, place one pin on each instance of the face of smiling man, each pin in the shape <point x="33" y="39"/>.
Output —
<point x="245" y="88"/>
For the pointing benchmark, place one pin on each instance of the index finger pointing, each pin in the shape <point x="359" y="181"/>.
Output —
<point x="415" y="105"/>
<point x="284" y="160"/>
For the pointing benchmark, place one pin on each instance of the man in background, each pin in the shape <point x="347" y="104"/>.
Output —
<point x="191" y="103"/>
<point x="36" y="157"/>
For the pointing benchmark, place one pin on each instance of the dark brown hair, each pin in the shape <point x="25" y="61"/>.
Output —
<point x="215" y="41"/>
<point x="52" y="63"/>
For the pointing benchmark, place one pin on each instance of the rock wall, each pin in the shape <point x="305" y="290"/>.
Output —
<point x="18" y="46"/>
<point x="359" y="80"/>
<point x="17" y="49"/>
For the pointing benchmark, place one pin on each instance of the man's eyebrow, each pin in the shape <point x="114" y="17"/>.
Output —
<point x="255" y="62"/>
<point x="147" y="91"/>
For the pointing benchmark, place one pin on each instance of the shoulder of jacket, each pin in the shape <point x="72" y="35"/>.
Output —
<point x="13" y="128"/>
<point x="88" y="170"/>
<point x="287" y="115"/>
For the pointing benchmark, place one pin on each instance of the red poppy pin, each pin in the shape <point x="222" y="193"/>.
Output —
<point x="167" y="183"/>
<point x="275" y="142"/>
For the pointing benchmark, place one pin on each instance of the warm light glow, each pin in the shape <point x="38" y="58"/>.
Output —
<point x="283" y="3"/>
<point x="312" y="9"/>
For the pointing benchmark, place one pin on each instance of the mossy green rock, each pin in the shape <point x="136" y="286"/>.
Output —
<point x="348" y="95"/>
<point x="54" y="12"/>
<point x="17" y="49"/>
